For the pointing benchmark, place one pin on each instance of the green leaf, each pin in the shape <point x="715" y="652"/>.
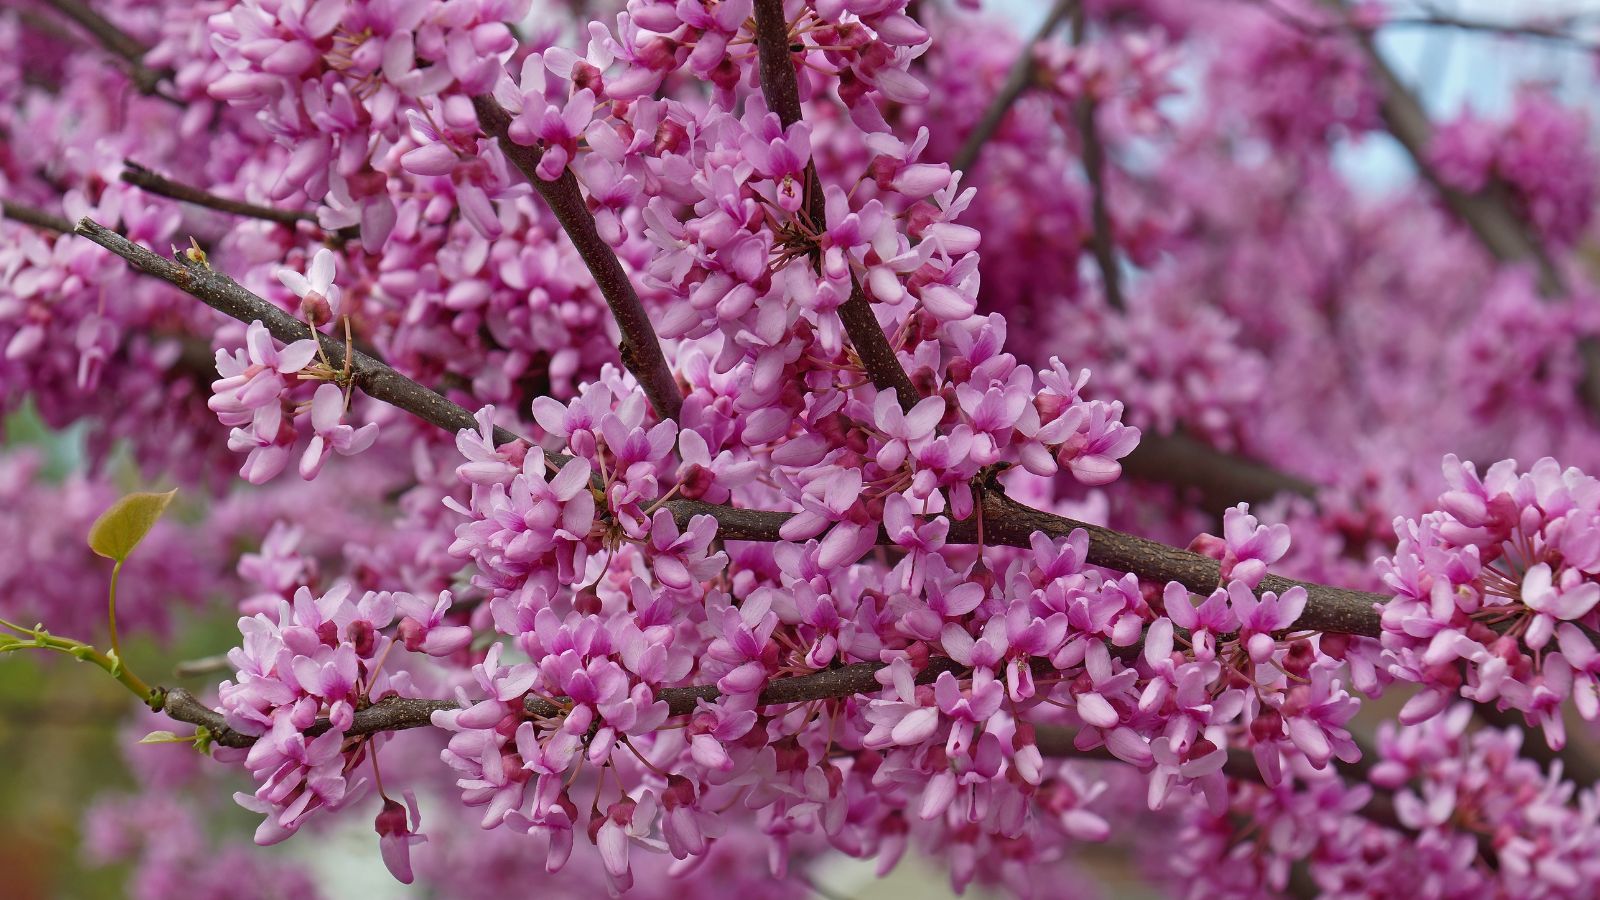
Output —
<point x="121" y="528"/>
<point x="164" y="737"/>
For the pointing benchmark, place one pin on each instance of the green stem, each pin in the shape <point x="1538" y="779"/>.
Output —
<point x="83" y="652"/>
<point x="115" y="571"/>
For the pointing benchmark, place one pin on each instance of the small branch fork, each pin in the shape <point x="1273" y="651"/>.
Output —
<point x="640" y="348"/>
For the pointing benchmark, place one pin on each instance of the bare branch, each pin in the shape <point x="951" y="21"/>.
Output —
<point x="640" y="348"/>
<point x="1102" y="240"/>
<point x="1017" y="81"/>
<point x="158" y="184"/>
<point x="225" y="295"/>
<point x="38" y="218"/>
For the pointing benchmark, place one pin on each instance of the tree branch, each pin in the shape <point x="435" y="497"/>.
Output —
<point x="158" y="184"/>
<point x="1102" y="240"/>
<point x="1220" y="479"/>
<point x="782" y="92"/>
<point x="1001" y="521"/>
<point x="38" y="218"/>
<point x="226" y="296"/>
<point x="1016" y="82"/>
<point x="640" y="348"/>
<point x="114" y="39"/>
<point x="402" y="714"/>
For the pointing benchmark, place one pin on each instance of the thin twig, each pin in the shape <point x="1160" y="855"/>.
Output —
<point x="640" y="348"/>
<point x="1102" y="240"/>
<point x="225" y="295"/>
<point x="155" y="183"/>
<point x="38" y="218"/>
<point x="1433" y="18"/>
<point x="1017" y="81"/>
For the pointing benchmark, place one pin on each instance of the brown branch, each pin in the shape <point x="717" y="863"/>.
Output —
<point x="782" y="92"/>
<point x="38" y="218"/>
<point x="1005" y="522"/>
<point x="1102" y="240"/>
<point x="158" y="184"/>
<point x="1533" y="29"/>
<point x="114" y="39"/>
<point x="1017" y="81"/>
<point x="640" y="348"/>
<point x="399" y="714"/>
<point x="225" y="295"/>
<point x="1218" y="478"/>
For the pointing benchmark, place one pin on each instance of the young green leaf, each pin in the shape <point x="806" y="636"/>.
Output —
<point x="121" y="528"/>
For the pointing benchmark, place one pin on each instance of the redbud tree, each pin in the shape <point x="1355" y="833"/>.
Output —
<point x="655" y="446"/>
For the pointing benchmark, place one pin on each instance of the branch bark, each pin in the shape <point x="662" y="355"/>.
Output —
<point x="155" y="183"/>
<point x="640" y="348"/>
<point x="38" y="218"/>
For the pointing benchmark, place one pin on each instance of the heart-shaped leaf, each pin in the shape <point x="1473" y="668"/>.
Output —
<point x="121" y="528"/>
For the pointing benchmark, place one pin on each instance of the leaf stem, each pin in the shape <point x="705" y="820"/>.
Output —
<point x="111" y="609"/>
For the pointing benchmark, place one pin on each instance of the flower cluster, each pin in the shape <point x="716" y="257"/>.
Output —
<point x="1541" y="154"/>
<point x="314" y="662"/>
<point x="1495" y="594"/>
<point x="255" y="394"/>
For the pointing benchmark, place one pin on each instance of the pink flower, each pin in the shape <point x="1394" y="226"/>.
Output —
<point x="395" y="838"/>
<point x="330" y="434"/>
<point x="319" y="296"/>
